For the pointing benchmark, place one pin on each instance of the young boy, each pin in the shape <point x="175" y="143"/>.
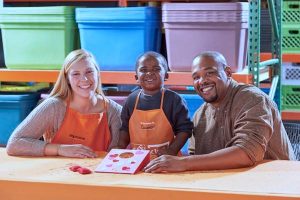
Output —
<point x="153" y="117"/>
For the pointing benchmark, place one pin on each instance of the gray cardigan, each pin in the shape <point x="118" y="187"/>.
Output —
<point x="49" y="116"/>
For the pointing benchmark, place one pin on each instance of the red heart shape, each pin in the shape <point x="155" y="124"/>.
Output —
<point x="83" y="170"/>
<point x="125" y="168"/>
<point x="113" y="155"/>
<point x="74" y="168"/>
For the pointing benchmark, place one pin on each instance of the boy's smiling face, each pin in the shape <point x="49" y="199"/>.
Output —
<point x="150" y="75"/>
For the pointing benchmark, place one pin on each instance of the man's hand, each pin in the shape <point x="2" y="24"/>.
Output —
<point x="166" y="163"/>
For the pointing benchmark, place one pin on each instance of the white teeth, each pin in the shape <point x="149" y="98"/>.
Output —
<point x="84" y="86"/>
<point x="206" y="89"/>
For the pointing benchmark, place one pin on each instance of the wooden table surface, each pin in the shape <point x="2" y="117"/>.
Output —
<point x="50" y="178"/>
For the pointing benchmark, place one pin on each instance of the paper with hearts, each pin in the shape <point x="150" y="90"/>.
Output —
<point x="124" y="161"/>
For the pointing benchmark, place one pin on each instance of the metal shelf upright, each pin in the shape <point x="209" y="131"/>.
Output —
<point x="254" y="64"/>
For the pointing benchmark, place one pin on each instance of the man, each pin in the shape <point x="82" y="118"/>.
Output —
<point x="237" y="127"/>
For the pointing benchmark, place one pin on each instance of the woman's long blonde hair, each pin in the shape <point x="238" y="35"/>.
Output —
<point x="62" y="88"/>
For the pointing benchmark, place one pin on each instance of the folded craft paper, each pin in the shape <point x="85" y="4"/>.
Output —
<point x="124" y="161"/>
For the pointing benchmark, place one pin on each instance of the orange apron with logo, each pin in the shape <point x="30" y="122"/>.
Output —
<point x="150" y="129"/>
<point x="91" y="130"/>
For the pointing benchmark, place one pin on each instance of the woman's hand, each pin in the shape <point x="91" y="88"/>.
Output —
<point x="75" y="151"/>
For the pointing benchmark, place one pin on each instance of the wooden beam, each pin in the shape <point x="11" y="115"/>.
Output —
<point x="290" y="115"/>
<point x="107" y="77"/>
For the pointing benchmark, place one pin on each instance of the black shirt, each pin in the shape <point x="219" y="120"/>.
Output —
<point x="174" y="108"/>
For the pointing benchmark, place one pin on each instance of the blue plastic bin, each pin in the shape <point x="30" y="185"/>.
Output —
<point x="193" y="101"/>
<point x="14" y="107"/>
<point x="117" y="36"/>
<point x="276" y="97"/>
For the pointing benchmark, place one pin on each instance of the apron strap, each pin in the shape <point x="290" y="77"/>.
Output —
<point x="137" y="100"/>
<point x="162" y="98"/>
<point x="105" y="106"/>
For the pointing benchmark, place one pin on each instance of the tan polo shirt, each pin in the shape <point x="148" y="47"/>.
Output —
<point x="247" y="118"/>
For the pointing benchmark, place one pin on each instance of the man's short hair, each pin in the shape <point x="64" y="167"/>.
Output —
<point x="216" y="56"/>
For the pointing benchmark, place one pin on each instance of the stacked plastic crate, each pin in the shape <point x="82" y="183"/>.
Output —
<point x="291" y="27"/>
<point x="117" y="36"/>
<point x="192" y="28"/>
<point x="33" y="38"/>
<point x="290" y="74"/>
<point x="37" y="37"/>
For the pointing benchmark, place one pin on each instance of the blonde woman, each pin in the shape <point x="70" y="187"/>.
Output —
<point x="76" y="120"/>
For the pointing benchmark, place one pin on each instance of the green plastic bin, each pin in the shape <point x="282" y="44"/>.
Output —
<point x="291" y="12"/>
<point x="37" y="37"/>
<point x="290" y="97"/>
<point x="291" y="38"/>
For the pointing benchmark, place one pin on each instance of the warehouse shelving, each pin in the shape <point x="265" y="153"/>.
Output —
<point x="256" y="59"/>
<point x="286" y="115"/>
<point x="254" y="55"/>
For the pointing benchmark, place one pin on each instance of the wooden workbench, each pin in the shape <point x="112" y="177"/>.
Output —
<point x="49" y="178"/>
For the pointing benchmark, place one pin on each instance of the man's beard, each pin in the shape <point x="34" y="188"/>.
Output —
<point x="211" y="99"/>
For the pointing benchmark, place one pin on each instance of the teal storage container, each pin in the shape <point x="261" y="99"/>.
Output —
<point x="117" y="36"/>
<point x="14" y="107"/>
<point x="193" y="101"/>
<point x="37" y="37"/>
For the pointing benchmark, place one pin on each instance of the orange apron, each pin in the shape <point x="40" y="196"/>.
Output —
<point x="91" y="130"/>
<point x="150" y="129"/>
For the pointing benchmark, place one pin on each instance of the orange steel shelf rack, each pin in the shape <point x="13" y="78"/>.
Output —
<point x="107" y="77"/>
<point x="290" y="115"/>
<point x="285" y="57"/>
<point x="122" y="3"/>
<point x="113" y="77"/>
<point x="45" y="1"/>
